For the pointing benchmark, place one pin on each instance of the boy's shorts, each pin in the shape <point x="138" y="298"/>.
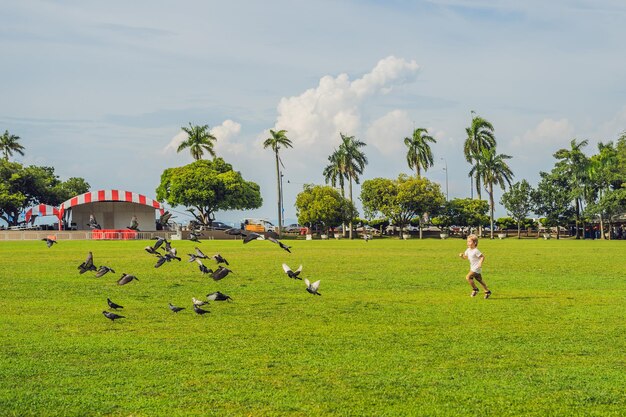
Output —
<point x="475" y="275"/>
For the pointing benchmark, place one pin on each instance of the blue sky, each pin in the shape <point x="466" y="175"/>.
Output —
<point x="100" y="90"/>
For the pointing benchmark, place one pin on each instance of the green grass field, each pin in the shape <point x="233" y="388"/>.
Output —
<point x="394" y="333"/>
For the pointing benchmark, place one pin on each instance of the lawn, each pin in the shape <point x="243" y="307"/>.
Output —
<point x="394" y="333"/>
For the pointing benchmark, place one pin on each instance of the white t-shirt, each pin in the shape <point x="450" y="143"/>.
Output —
<point x="473" y="255"/>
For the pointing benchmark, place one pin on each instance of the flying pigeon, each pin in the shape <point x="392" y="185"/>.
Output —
<point x="175" y="309"/>
<point x="292" y="274"/>
<point x="312" y="288"/>
<point x="113" y="305"/>
<point x="279" y="243"/>
<point x="199" y="311"/>
<point x="112" y="316"/>
<point x="151" y="250"/>
<point x="165" y="258"/>
<point x="220" y="273"/>
<point x="194" y="237"/>
<point x="125" y="279"/>
<point x="203" y="268"/>
<point x="159" y="242"/>
<point x="219" y="259"/>
<point x="87" y="265"/>
<point x="197" y="302"/>
<point x="50" y="240"/>
<point x="103" y="270"/>
<point x="218" y="296"/>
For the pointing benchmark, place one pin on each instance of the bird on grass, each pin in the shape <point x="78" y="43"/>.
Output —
<point x="292" y="274"/>
<point x="87" y="265"/>
<point x="126" y="278"/>
<point x="103" y="270"/>
<point x="50" y="240"/>
<point x="113" y="305"/>
<point x="197" y="302"/>
<point x="312" y="288"/>
<point x="218" y="296"/>
<point x="175" y="309"/>
<point x="199" y="311"/>
<point x="220" y="273"/>
<point x="112" y="316"/>
<point x="219" y="259"/>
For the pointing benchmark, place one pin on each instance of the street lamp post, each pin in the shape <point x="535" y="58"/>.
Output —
<point x="446" y="169"/>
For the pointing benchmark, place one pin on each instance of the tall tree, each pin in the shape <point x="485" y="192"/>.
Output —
<point x="480" y="135"/>
<point x="9" y="144"/>
<point x="334" y="171"/>
<point x="323" y="206"/>
<point x="274" y="142"/>
<point x="419" y="155"/>
<point x="552" y="199"/>
<point x="353" y="162"/>
<point x="574" y="165"/>
<point x="207" y="187"/>
<point x="199" y="140"/>
<point x="518" y="203"/>
<point x="493" y="169"/>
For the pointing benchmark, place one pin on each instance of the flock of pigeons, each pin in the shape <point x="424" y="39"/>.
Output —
<point x="169" y="254"/>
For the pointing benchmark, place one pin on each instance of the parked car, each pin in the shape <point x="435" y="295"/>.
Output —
<point x="295" y="228"/>
<point x="219" y="226"/>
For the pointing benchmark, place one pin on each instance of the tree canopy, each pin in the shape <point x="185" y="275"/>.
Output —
<point x="324" y="206"/>
<point x="199" y="140"/>
<point x="401" y="199"/>
<point x="22" y="187"/>
<point x="205" y="187"/>
<point x="518" y="203"/>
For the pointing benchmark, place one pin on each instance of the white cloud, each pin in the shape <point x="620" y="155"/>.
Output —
<point x="318" y="115"/>
<point x="386" y="133"/>
<point x="175" y="142"/>
<point x="547" y="136"/>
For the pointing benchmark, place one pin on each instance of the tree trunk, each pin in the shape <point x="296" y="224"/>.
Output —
<point x="350" y="225"/>
<point x="278" y="187"/>
<point x="491" y="208"/>
<point x="578" y="220"/>
<point x="602" y="228"/>
<point x="519" y="230"/>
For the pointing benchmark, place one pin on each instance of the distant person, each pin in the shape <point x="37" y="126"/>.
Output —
<point x="93" y="223"/>
<point x="476" y="259"/>
<point x="134" y="224"/>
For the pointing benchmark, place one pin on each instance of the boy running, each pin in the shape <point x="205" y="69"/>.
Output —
<point x="476" y="259"/>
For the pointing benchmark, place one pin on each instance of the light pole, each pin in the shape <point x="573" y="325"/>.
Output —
<point x="446" y="169"/>
<point x="282" y="207"/>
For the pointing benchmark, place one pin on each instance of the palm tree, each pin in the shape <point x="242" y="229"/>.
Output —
<point x="479" y="136"/>
<point x="334" y="171"/>
<point x="199" y="140"/>
<point x="353" y="162"/>
<point x="575" y="165"/>
<point x="274" y="142"/>
<point x="493" y="169"/>
<point x="419" y="154"/>
<point x="9" y="144"/>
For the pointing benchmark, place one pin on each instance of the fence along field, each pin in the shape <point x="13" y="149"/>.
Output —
<point x="394" y="332"/>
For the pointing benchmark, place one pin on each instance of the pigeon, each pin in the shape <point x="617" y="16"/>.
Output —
<point x="250" y="236"/>
<point x="169" y="249"/>
<point x="151" y="250"/>
<point x="235" y="231"/>
<point x="165" y="258"/>
<point x="113" y="305"/>
<point x="292" y="274"/>
<point x="197" y="255"/>
<point x="103" y="270"/>
<point x="112" y="316"/>
<point x="312" y="288"/>
<point x="220" y="273"/>
<point x="175" y="309"/>
<point x="197" y="302"/>
<point x="203" y="268"/>
<point x="199" y="311"/>
<point x="87" y="265"/>
<point x="50" y="240"/>
<point x="194" y="237"/>
<point x="218" y="296"/>
<point x="159" y="242"/>
<point x="125" y="279"/>
<point x="367" y="237"/>
<point x="279" y="243"/>
<point x="219" y="259"/>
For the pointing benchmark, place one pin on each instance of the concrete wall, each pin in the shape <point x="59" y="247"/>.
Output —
<point x="114" y="215"/>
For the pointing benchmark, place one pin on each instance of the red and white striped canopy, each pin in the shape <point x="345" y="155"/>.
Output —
<point x="111" y="195"/>
<point x="42" y="210"/>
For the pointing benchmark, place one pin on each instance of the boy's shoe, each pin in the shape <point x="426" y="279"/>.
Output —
<point x="474" y="292"/>
<point x="487" y="294"/>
